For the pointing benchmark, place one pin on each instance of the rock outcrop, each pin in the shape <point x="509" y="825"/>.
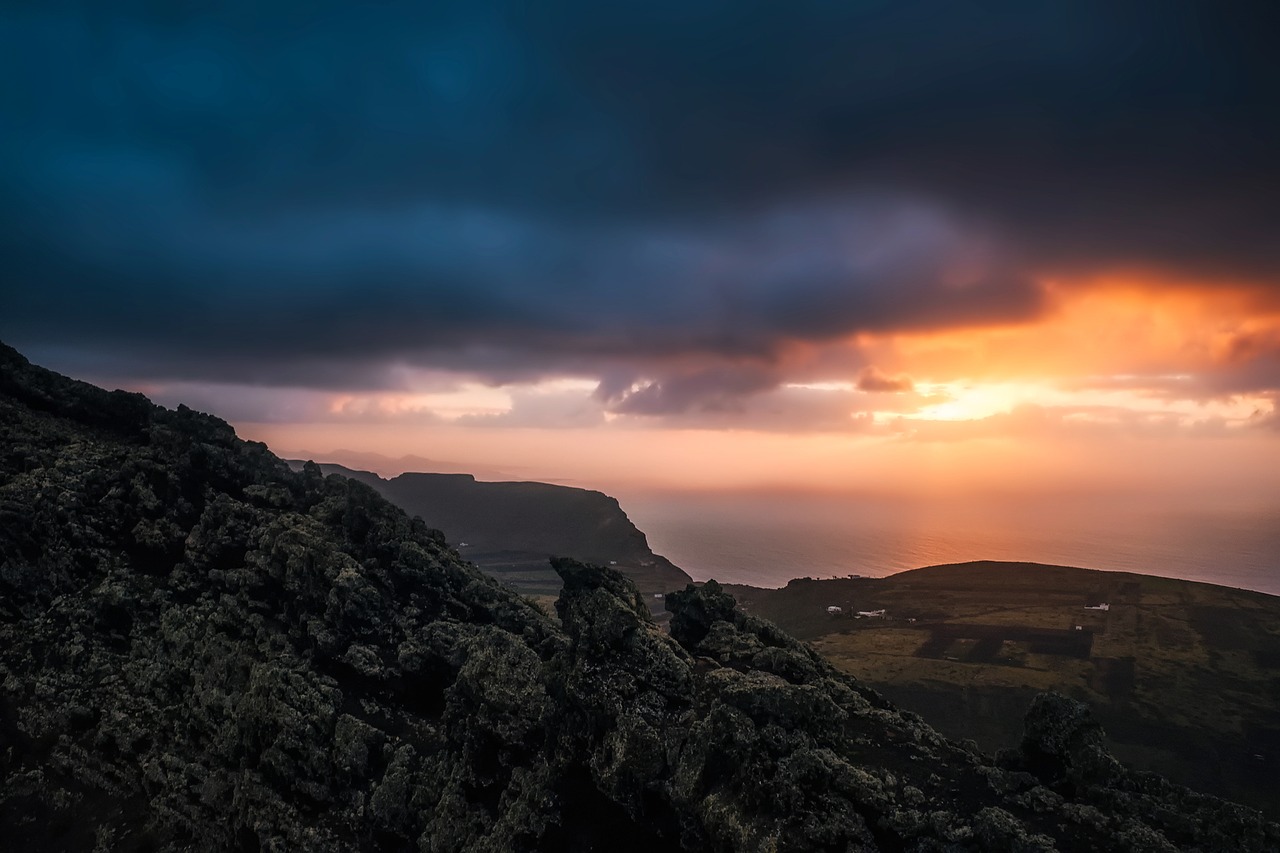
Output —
<point x="201" y="649"/>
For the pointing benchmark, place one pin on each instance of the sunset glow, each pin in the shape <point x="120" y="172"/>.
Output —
<point x="428" y="425"/>
<point x="1169" y="380"/>
<point x="632" y="273"/>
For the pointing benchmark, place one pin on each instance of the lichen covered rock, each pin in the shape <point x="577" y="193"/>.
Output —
<point x="203" y="650"/>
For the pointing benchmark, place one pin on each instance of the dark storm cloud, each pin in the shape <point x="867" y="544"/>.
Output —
<point x="315" y="193"/>
<point x="710" y="389"/>
<point x="340" y="298"/>
<point x="875" y="380"/>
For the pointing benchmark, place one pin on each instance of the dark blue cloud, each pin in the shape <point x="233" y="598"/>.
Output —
<point x="305" y="193"/>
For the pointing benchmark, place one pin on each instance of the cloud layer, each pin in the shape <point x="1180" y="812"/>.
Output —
<point x="692" y="204"/>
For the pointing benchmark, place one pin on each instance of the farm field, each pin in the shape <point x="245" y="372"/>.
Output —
<point x="1184" y="676"/>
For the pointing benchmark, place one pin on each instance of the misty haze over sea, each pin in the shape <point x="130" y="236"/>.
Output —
<point x="765" y="540"/>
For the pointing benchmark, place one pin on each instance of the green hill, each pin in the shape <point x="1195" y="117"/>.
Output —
<point x="1184" y="676"/>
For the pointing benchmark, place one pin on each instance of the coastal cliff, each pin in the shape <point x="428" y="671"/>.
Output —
<point x="510" y="529"/>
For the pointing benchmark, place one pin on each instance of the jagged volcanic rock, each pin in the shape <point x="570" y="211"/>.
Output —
<point x="202" y="650"/>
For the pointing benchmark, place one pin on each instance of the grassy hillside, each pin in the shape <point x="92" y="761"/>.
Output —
<point x="1184" y="676"/>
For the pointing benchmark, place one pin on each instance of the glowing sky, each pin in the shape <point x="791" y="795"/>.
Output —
<point x="873" y="246"/>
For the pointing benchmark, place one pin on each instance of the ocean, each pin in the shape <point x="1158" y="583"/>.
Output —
<point x="765" y="540"/>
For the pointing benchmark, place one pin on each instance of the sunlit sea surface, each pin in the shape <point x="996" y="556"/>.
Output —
<point x="767" y="540"/>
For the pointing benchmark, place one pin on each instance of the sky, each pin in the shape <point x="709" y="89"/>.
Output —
<point x="942" y="247"/>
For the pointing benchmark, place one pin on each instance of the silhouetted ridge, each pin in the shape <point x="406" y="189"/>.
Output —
<point x="509" y="529"/>
<point x="202" y="649"/>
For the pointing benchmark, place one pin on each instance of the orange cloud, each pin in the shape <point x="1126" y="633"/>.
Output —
<point x="1124" y="383"/>
<point x="1110" y="327"/>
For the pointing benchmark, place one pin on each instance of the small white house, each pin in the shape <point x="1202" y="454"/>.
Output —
<point x="835" y="611"/>
<point x="657" y="595"/>
<point x="1102" y="606"/>
<point x="869" y="613"/>
<point x="613" y="562"/>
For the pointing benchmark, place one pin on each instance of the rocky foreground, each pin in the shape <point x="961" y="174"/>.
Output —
<point x="200" y="649"/>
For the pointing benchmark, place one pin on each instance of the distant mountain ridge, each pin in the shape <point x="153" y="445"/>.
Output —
<point x="393" y="466"/>
<point x="510" y="528"/>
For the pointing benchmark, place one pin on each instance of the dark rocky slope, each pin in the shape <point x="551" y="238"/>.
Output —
<point x="202" y="650"/>
<point x="510" y="529"/>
